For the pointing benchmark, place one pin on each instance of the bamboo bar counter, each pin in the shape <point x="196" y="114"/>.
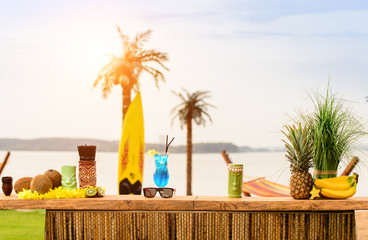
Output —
<point x="194" y="217"/>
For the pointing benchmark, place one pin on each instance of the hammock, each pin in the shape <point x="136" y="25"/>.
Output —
<point x="264" y="188"/>
<point x="259" y="185"/>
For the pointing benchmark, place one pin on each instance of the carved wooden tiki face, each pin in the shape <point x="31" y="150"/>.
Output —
<point x="87" y="174"/>
<point x="68" y="177"/>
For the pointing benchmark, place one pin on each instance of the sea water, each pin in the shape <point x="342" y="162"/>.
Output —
<point x="209" y="170"/>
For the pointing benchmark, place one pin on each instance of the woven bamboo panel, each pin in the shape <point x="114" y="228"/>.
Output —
<point x="132" y="225"/>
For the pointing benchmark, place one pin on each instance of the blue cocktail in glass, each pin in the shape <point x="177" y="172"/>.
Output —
<point x="161" y="174"/>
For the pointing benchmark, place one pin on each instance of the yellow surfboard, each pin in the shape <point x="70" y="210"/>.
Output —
<point x="131" y="151"/>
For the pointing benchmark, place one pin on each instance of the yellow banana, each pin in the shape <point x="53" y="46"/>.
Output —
<point x="340" y="186"/>
<point x="329" y="193"/>
<point x="338" y="179"/>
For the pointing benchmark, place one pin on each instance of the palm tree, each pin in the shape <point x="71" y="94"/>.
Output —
<point x="126" y="69"/>
<point x="192" y="107"/>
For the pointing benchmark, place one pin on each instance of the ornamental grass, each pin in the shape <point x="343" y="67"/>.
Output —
<point x="334" y="130"/>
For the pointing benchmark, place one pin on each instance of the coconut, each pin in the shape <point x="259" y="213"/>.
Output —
<point x="41" y="184"/>
<point x="55" y="177"/>
<point x="22" y="183"/>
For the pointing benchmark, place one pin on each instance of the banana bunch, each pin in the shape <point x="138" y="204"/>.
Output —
<point x="337" y="188"/>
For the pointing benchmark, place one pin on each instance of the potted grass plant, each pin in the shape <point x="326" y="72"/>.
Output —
<point x="334" y="130"/>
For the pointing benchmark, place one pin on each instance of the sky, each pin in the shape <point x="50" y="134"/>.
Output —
<point x="259" y="59"/>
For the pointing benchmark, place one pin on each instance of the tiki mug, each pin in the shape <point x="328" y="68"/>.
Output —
<point x="235" y="180"/>
<point x="68" y="177"/>
<point x="87" y="174"/>
<point x="7" y="185"/>
<point x="87" y="166"/>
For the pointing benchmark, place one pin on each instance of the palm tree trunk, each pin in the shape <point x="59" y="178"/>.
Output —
<point x="189" y="154"/>
<point x="126" y="100"/>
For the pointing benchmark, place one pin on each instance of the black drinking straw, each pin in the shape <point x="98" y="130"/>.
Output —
<point x="167" y="145"/>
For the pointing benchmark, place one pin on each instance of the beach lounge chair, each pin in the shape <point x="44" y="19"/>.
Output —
<point x="2" y="165"/>
<point x="259" y="185"/>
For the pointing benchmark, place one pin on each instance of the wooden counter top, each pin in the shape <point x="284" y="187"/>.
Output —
<point x="278" y="204"/>
<point x="109" y="202"/>
<point x="186" y="203"/>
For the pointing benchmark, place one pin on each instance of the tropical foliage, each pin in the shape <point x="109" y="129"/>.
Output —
<point x="193" y="107"/>
<point x="125" y="70"/>
<point x="299" y="148"/>
<point x="334" y="130"/>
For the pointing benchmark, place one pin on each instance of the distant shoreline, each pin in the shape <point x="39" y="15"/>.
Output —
<point x="70" y="144"/>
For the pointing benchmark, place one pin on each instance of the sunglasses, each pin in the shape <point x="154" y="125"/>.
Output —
<point x="151" y="192"/>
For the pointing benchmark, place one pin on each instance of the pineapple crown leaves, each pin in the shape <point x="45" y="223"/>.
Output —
<point x="299" y="148"/>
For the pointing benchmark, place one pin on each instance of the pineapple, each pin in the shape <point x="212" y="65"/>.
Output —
<point x="299" y="152"/>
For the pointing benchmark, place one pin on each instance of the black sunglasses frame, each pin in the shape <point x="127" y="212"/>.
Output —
<point x="173" y="190"/>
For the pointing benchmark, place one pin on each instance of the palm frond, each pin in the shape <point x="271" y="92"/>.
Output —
<point x="153" y="56"/>
<point x="156" y="74"/>
<point x="193" y="106"/>
<point x="126" y="69"/>
<point x="142" y="37"/>
<point x="124" y="38"/>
